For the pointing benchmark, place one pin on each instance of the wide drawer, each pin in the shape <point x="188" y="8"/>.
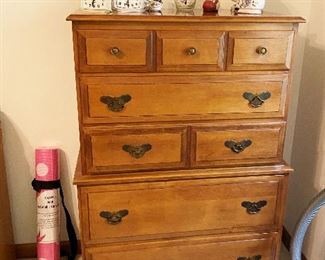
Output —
<point x="190" y="50"/>
<point x="120" y="149"/>
<point x="237" y="144"/>
<point x="114" y="51"/>
<point x="233" y="247"/>
<point x="259" y="50"/>
<point x="171" y="209"/>
<point x="108" y="99"/>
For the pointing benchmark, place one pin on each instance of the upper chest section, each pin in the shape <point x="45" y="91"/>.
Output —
<point x="180" y="43"/>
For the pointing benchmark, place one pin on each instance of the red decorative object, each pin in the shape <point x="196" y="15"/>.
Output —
<point x="210" y="6"/>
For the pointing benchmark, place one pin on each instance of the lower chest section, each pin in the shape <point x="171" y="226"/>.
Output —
<point x="184" y="219"/>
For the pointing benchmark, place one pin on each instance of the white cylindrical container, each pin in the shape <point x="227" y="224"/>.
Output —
<point x="129" y="6"/>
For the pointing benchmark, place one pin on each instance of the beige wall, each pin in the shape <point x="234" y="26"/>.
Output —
<point x="38" y="100"/>
<point x="38" y="104"/>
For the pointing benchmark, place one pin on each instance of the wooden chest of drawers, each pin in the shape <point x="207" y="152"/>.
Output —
<point x="182" y="122"/>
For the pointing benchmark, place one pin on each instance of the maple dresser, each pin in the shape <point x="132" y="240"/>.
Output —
<point x="182" y="124"/>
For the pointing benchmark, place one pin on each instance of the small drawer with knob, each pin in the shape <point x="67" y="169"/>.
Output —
<point x="142" y="211"/>
<point x="259" y="50"/>
<point x="114" y="51"/>
<point x="134" y="149"/>
<point x="190" y="50"/>
<point x="240" y="143"/>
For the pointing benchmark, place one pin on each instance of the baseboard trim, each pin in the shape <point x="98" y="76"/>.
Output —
<point x="29" y="250"/>
<point x="286" y="240"/>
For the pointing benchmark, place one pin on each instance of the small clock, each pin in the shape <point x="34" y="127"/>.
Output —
<point x="94" y="4"/>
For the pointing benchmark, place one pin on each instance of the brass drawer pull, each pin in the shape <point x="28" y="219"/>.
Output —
<point x="191" y="51"/>
<point x="115" y="104"/>
<point x="256" y="100"/>
<point x="238" y="147"/>
<point x="255" y="257"/>
<point x="114" y="218"/>
<point x="115" y="51"/>
<point x="261" y="50"/>
<point x="137" y="151"/>
<point x="254" y="207"/>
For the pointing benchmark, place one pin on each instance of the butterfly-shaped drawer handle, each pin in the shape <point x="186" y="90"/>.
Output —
<point x="114" y="218"/>
<point x="115" y="104"/>
<point x="256" y="100"/>
<point x="238" y="147"/>
<point x="254" y="207"/>
<point x="255" y="257"/>
<point x="137" y="151"/>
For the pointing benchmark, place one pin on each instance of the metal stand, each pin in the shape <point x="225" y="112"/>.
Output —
<point x="308" y="216"/>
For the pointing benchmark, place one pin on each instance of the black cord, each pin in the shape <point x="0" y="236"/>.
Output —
<point x="50" y="185"/>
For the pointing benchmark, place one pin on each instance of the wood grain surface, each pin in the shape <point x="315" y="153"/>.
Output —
<point x="243" y="50"/>
<point x="174" y="208"/>
<point x="105" y="147"/>
<point x="208" y="144"/>
<point x="95" y="50"/>
<point x="173" y="50"/>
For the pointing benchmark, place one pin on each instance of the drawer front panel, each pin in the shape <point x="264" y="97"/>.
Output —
<point x="260" y="50"/>
<point x="122" y="149"/>
<point x="190" y="51"/>
<point x="237" y="144"/>
<point x="209" y="248"/>
<point x="132" y="102"/>
<point x="172" y="208"/>
<point x="115" y="51"/>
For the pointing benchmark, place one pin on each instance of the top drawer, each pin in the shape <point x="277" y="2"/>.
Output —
<point x="259" y="50"/>
<point x="115" y="51"/>
<point x="190" y="50"/>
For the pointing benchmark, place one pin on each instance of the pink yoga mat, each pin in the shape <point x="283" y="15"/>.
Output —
<point x="48" y="205"/>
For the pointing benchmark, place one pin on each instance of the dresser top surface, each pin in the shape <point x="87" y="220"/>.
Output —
<point x="173" y="16"/>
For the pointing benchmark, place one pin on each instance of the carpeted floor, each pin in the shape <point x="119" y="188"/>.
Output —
<point x="284" y="255"/>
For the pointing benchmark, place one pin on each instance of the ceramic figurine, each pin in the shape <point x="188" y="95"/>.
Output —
<point x="155" y="5"/>
<point x="94" y="4"/>
<point x="185" y="4"/>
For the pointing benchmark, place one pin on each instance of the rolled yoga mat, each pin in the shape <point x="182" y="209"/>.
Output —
<point x="48" y="204"/>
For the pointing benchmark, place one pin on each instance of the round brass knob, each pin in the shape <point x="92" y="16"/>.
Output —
<point x="191" y="51"/>
<point x="261" y="50"/>
<point x="115" y="51"/>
